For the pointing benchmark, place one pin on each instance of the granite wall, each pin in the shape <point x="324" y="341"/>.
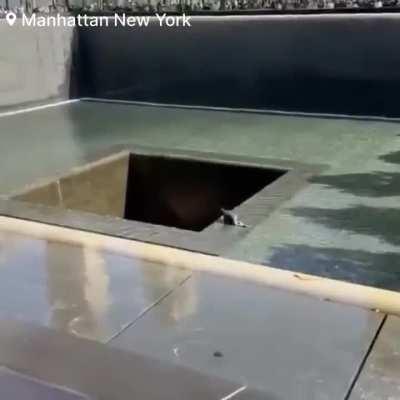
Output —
<point x="35" y="64"/>
<point x="316" y="63"/>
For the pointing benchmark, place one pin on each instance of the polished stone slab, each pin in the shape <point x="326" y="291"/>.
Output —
<point x="380" y="376"/>
<point x="80" y="290"/>
<point x="97" y="188"/>
<point x="100" y="372"/>
<point x="292" y="346"/>
<point x="17" y="386"/>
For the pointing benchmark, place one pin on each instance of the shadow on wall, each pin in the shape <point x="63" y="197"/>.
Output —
<point x="374" y="184"/>
<point x="391" y="158"/>
<point x="380" y="222"/>
<point x="357" y="266"/>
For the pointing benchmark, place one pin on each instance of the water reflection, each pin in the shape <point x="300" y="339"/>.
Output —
<point x="182" y="304"/>
<point x="77" y="289"/>
<point x="81" y="290"/>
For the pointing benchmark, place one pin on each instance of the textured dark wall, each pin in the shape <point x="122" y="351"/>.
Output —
<point x="35" y="64"/>
<point x="318" y="63"/>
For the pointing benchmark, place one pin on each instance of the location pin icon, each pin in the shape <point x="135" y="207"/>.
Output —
<point x="11" y="17"/>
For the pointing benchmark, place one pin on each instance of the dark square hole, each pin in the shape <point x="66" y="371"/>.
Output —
<point x="182" y="193"/>
<point x="189" y="194"/>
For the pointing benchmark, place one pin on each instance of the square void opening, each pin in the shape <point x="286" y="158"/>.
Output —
<point x="181" y="193"/>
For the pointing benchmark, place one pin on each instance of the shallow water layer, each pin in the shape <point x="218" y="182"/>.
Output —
<point x="344" y="224"/>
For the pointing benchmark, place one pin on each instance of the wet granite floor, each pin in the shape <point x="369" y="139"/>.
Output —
<point x="272" y="343"/>
<point x="380" y="377"/>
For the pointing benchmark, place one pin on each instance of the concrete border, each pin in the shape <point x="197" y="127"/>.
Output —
<point x="212" y="240"/>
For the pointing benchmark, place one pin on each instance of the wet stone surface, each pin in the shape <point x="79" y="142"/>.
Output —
<point x="342" y="225"/>
<point x="287" y="345"/>
<point x="82" y="291"/>
<point x="380" y="377"/>
<point x="15" y="386"/>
